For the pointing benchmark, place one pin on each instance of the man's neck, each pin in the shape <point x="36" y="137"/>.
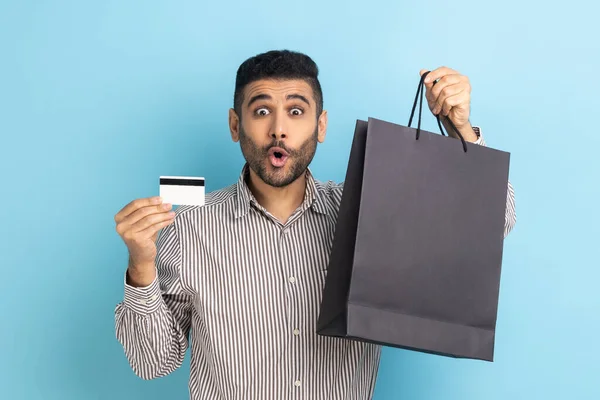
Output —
<point x="280" y="202"/>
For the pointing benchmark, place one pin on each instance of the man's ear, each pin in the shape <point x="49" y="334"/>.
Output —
<point x="322" y="126"/>
<point x="234" y="125"/>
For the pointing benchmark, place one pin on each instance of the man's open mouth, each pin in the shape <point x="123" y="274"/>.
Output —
<point x="278" y="156"/>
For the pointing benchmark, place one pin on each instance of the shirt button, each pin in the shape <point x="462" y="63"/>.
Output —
<point x="154" y="297"/>
<point x="142" y="301"/>
<point x="292" y="279"/>
<point x="297" y="383"/>
<point x="296" y="332"/>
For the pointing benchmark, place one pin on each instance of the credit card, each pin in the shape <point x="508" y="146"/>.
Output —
<point x="182" y="190"/>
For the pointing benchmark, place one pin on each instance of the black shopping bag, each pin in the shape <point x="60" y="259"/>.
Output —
<point x="418" y="246"/>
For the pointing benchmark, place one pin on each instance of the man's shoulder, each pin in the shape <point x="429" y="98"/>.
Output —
<point x="330" y="191"/>
<point x="329" y="187"/>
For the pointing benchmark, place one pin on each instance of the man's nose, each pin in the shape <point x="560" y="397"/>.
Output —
<point x="279" y="128"/>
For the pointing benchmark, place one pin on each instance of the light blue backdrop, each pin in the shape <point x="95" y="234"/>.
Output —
<point x="97" y="99"/>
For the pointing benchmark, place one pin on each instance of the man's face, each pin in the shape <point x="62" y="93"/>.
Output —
<point x="279" y="129"/>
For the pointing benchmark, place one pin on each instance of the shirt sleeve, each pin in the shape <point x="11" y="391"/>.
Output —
<point x="153" y="322"/>
<point x="510" y="216"/>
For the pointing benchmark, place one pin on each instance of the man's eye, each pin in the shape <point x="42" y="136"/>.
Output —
<point x="296" y="111"/>
<point x="262" y="112"/>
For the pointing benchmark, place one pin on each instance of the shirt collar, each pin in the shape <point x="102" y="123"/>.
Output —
<point x="313" y="197"/>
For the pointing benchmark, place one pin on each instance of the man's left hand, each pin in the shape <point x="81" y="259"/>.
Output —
<point x="450" y="97"/>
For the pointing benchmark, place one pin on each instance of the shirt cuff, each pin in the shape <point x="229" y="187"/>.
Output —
<point x="480" y="141"/>
<point x="143" y="300"/>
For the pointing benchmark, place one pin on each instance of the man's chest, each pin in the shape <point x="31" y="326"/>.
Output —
<point x="256" y="274"/>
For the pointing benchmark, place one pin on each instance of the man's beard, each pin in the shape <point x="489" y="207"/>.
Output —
<point x="296" y="164"/>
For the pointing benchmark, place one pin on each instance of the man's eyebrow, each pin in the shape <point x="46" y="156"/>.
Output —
<point x="263" y="96"/>
<point x="299" y="97"/>
<point x="258" y="97"/>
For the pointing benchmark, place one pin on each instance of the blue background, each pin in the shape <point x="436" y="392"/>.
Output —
<point x="97" y="99"/>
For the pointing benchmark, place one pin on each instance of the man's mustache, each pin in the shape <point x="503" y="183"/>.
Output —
<point x="281" y="145"/>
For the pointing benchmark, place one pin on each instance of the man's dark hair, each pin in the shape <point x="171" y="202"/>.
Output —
<point x="277" y="64"/>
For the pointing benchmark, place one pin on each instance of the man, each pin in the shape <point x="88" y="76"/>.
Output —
<point x="246" y="271"/>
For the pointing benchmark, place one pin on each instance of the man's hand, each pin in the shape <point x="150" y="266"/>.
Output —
<point x="138" y="224"/>
<point x="448" y="94"/>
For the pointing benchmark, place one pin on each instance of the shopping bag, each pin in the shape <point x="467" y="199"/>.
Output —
<point x="417" y="252"/>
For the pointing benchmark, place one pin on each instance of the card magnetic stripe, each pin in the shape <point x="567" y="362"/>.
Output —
<point x="182" y="182"/>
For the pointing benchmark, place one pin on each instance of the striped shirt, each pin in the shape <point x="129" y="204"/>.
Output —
<point x="249" y="287"/>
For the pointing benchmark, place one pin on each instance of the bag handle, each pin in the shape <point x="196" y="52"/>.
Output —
<point x="420" y="91"/>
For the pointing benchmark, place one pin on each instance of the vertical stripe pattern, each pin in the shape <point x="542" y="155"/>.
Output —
<point x="246" y="289"/>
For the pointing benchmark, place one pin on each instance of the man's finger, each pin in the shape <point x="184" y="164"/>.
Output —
<point x="443" y="83"/>
<point x="447" y="91"/>
<point x="453" y="101"/>
<point x="150" y="220"/>
<point x="152" y="230"/>
<point x="439" y="73"/>
<point x="144" y="212"/>
<point x="136" y="205"/>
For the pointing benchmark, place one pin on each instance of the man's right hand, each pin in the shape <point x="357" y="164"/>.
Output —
<point x="138" y="224"/>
